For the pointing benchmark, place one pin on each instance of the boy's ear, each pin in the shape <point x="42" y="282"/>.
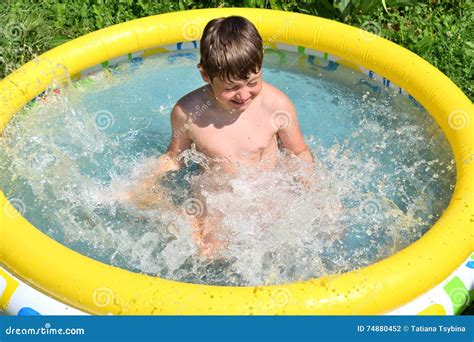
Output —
<point x="204" y="74"/>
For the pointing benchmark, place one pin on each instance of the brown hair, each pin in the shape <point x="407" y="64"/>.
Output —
<point x="231" y="49"/>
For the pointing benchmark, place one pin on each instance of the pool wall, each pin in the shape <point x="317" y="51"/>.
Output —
<point x="450" y="297"/>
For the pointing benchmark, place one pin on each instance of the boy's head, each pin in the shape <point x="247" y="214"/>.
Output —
<point x="231" y="49"/>
<point x="231" y="60"/>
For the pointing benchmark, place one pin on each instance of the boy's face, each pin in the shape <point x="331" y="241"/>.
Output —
<point x="236" y="94"/>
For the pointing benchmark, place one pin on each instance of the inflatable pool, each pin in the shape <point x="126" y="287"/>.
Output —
<point x="434" y="275"/>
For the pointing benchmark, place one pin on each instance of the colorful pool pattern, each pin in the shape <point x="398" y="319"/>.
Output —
<point x="317" y="59"/>
<point x="20" y="299"/>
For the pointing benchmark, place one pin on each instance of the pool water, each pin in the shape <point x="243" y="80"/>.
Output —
<point x="384" y="172"/>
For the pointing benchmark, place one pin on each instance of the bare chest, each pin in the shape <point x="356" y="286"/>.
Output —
<point x="249" y="137"/>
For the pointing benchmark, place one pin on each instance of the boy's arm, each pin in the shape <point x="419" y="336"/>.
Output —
<point x="180" y="142"/>
<point x="289" y="130"/>
<point x="145" y="193"/>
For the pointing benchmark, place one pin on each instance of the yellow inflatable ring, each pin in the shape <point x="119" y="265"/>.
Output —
<point x="97" y="288"/>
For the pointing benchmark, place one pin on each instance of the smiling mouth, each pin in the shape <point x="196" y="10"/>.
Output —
<point x="240" y="103"/>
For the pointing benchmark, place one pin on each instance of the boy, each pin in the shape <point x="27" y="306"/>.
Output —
<point x="236" y="119"/>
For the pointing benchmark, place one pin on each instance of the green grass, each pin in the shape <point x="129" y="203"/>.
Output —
<point x="439" y="31"/>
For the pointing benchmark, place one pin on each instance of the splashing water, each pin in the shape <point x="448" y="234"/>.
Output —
<point x="383" y="174"/>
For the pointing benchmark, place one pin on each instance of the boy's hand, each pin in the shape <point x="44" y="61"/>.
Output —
<point x="147" y="192"/>
<point x="206" y="239"/>
<point x="308" y="182"/>
<point x="166" y="163"/>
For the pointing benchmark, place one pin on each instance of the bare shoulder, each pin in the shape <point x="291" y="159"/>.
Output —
<point x="274" y="99"/>
<point x="193" y="100"/>
<point x="178" y="112"/>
